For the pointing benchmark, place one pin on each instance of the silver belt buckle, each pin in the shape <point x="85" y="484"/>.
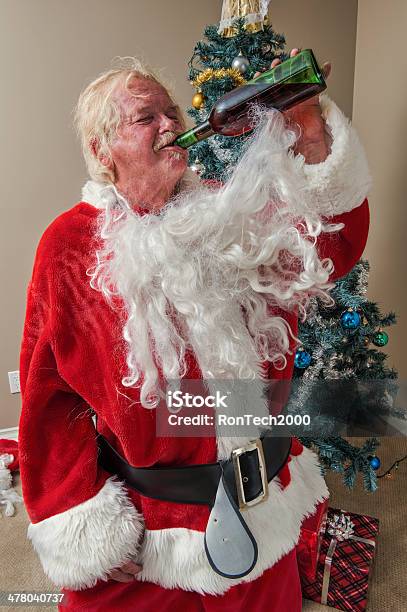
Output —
<point x="253" y="445"/>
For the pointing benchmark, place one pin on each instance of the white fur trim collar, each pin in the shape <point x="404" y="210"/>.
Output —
<point x="93" y="191"/>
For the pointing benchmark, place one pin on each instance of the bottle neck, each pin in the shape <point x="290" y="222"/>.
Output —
<point x="196" y="134"/>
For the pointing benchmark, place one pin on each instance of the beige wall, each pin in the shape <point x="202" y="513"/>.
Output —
<point x="380" y="114"/>
<point x="329" y="28"/>
<point x="49" y="49"/>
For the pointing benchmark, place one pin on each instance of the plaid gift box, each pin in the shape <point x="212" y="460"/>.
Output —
<point x="308" y="547"/>
<point x="345" y="561"/>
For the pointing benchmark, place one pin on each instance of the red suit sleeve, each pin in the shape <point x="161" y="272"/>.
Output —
<point x="82" y="522"/>
<point x="346" y="247"/>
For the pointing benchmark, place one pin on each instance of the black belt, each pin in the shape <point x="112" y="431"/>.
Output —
<point x="245" y="473"/>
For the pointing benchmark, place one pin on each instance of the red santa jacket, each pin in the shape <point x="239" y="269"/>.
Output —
<point x="84" y="522"/>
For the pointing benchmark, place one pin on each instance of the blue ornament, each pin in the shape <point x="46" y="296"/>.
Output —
<point x="302" y="359"/>
<point x="374" y="462"/>
<point x="350" y="319"/>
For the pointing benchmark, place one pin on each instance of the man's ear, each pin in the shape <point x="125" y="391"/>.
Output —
<point x="105" y="160"/>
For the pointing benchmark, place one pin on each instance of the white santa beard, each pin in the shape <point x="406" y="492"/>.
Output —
<point x="202" y="274"/>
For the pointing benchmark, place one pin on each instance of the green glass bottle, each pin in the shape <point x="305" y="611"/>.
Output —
<point x="289" y="83"/>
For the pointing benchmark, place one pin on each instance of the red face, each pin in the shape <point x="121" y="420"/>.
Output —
<point x="146" y="172"/>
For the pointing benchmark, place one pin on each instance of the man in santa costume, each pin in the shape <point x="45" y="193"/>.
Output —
<point x="157" y="276"/>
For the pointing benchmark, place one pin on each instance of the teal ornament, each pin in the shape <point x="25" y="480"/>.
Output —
<point x="350" y="319"/>
<point x="302" y="359"/>
<point x="380" y="338"/>
<point x="374" y="462"/>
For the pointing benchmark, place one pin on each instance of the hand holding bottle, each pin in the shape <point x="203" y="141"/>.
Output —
<point x="314" y="142"/>
<point x="298" y="79"/>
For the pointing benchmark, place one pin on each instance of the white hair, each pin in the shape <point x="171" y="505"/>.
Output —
<point x="97" y="114"/>
<point x="203" y="274"/>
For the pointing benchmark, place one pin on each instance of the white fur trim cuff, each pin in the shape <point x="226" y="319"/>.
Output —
<point x="175" y="558"/>
<point x="342" y="181"/>
<point x="82" y="545"/>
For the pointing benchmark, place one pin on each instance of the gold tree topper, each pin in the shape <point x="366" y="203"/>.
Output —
<point x="253" y="11"/>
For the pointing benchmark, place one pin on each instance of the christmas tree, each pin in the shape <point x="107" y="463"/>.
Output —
<point x="337" y="346"/>
<point x="336" y="342"/>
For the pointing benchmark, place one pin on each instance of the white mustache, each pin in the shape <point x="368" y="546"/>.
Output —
<point x="164" y="140"/>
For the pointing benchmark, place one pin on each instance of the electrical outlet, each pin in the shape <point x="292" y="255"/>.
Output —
<point x="14" y="380"/>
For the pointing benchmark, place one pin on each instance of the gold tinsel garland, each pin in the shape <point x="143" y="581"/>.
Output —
<point x="220" y="73"/>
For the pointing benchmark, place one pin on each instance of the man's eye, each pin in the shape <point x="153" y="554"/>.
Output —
<point x="146" y="119"/>
<point x="142" y="119"/>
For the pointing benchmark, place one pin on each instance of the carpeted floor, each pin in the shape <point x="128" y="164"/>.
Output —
<point x="21" y="570"/>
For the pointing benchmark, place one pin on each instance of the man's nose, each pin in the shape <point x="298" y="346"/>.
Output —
<point x="168" y="124"/>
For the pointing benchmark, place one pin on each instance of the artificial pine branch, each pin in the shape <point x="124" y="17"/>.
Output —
<point x="338" y="455"/>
